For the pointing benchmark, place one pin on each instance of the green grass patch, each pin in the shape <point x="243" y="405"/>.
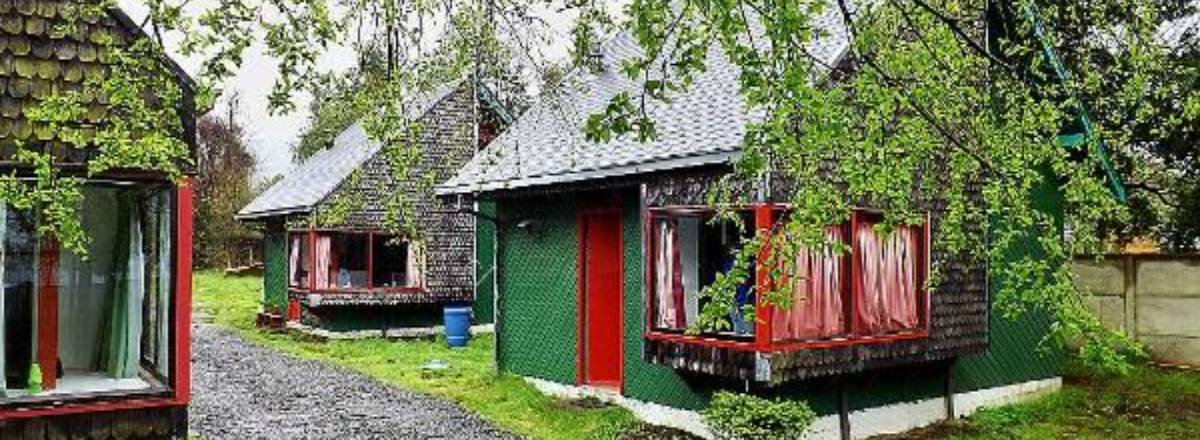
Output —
<point x="1150" y="403"/>
<point x="471" y="379"/>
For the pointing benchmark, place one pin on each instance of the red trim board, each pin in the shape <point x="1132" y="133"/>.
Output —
<point x="183" y="294"/>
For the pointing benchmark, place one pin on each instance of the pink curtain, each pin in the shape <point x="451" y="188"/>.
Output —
<point x="886" y="298"/>
<point x="900" y="259"/>
<point x="294" y="261"/>
<point x="663" y="276"/>
<point x="817" y="309"/>
<point x="323" y="250"/>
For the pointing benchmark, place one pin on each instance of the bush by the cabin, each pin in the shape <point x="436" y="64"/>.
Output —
<point x="742" y="416"/>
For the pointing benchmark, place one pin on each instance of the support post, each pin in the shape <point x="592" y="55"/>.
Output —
<point x="843" y="409"/>
<point x="949" y="389"/>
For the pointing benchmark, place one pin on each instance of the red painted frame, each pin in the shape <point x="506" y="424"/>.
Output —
<point x="181" y="337"/>
<point x="764" y="222"/>
<point x="581" y="295"/>
<point x="47" y="313"/>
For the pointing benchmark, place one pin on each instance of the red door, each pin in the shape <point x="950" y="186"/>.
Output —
<point x="601" y="299"/>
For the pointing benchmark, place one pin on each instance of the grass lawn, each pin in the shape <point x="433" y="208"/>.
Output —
<point x="471" y="380"/>
<point x="1151" y="403"/>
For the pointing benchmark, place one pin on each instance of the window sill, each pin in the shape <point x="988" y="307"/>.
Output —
<point x="54" y="400"/>
<point x="359" y="291"/>
<point x="377" y="297"/>
<point x="744" y="345"/>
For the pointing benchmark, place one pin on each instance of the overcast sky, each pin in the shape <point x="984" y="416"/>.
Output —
<point x="271" y="136"/>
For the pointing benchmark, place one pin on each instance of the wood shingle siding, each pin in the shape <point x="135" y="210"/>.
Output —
<point x="39" y="60"/>
<point x="447" y="142"/>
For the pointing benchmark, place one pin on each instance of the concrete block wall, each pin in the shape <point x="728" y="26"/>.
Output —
<point x="1155" y="298"/>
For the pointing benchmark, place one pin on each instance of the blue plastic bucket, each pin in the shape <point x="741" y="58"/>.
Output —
<point x="458" y="325"/>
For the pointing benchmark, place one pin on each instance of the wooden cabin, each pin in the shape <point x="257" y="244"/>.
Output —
<point x="109" y="333"/>
<point x="330" y="262"/>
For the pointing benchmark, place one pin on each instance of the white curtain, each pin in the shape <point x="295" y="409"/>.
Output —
<point x="416" y="264"/>
<point x="85" y="285"/>
<point x="135" y="273"/>
<point x="689" y="266"/>
<point x="164" y="284"/>
<point x="294" y="261"/>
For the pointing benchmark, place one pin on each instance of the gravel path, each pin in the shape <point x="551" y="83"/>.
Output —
<point x="244" y="391"/>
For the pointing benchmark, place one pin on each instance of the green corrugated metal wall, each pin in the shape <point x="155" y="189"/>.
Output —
<point x="1014" y="355"/>
<point x="1018" y="352"/>
<point x="275" y="269"/>
<point x="643" y="380"/>
<point x="485" y="238"/>
<point x="538" y="335"/>
<point x="537" y="290"/>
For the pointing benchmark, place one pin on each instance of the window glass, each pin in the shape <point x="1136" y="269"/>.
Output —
<point x="19" y="283"/>
<point x="299" y="260"/>
<point x="689" y="251"/>
<point x="389" y="262"/>
<point x="347" y="260"/>
<point x="113" y="306"/>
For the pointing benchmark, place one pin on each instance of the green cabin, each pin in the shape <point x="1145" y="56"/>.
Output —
<point x="601" y="250"/>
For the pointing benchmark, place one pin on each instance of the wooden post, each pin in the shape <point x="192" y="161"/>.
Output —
<point x="762" y="281"/>
<point x="843" y="409"/>
<point x="183" y="294"/>
<point x="949" y="386"/>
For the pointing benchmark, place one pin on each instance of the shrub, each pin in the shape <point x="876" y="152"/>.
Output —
<point x="742" y="416"/>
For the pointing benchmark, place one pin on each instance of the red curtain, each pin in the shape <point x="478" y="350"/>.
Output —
<point x="817" y="309"/>
<point x="885" y="297"/>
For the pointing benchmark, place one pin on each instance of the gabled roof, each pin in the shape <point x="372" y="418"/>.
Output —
<point x="314" y="180"/>
<point x="705" y="125"/>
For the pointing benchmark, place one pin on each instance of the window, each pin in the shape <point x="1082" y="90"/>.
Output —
<point x="349" y="260"/>
<point x="689" y="250"/>
<point x="389" y="259"/>
<point x="818" y="283"/>
<point x="299" y="260"/>
<point x="876" y="290"/>
<point x="354" y="261"/>
<point x="112" y="308"/>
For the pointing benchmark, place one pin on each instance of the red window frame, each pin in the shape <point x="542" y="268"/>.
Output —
<point x="311" y="238"/>
<point x="178" y="392"/>
<point x="766" y="217"/>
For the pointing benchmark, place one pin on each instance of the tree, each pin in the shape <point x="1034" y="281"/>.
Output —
<point x="923" y="89"/>
<point x="224" y="168"/>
